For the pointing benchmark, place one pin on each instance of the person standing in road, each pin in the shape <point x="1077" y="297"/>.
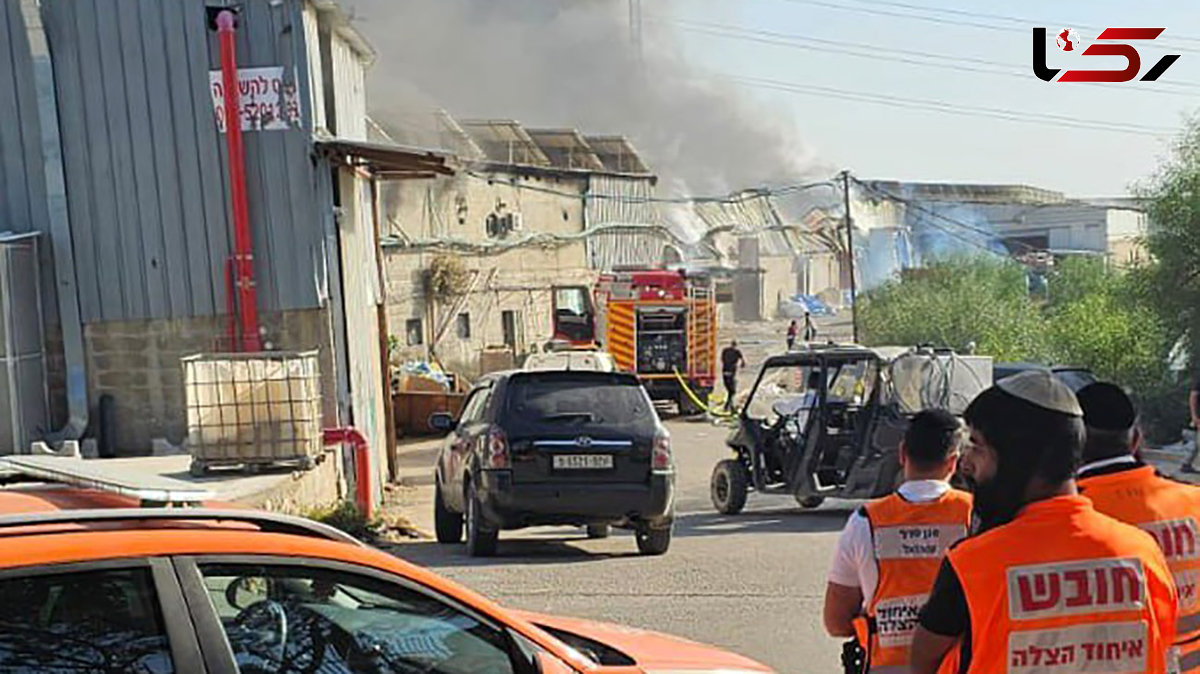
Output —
<point x="810" y="330"/>
<point x="731" y="360"/>
<point x="792" y="331"/>
<point x="1050" y="584"/>
<point x="1189" y="466"/>
<point x="890" y="550"/>
<point x="1122" y="486"/>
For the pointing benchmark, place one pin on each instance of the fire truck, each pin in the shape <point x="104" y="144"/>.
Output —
<point x="658" y="324"/>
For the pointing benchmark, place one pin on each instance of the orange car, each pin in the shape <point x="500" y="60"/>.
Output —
<point x="91" y="582"/>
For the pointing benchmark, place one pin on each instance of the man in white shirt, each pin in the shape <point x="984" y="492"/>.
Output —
<point x="925" y="504"/>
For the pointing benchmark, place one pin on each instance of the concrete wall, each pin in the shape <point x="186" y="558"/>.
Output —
<point x="819" y="273"/>
<point x="779" y="282"/>
<point x="138" y="363"/>
<point x="518" y="279"/>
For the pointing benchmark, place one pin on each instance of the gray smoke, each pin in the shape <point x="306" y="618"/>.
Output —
<point x="571" y="63"/>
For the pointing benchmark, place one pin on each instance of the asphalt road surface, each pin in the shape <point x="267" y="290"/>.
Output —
<point x="752" y="583"/>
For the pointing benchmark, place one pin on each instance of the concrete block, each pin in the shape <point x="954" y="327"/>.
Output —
<point x="69" y="449"/>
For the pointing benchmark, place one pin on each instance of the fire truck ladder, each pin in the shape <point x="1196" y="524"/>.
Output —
<point x="702" y="323"/>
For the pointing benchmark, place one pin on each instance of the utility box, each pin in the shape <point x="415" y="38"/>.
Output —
<point x="253" y="409"/>
<point x="24" y="406"/>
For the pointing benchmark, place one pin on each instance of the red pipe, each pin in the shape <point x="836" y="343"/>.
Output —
<point x="243" y="243"/>
<point x="362" y="465"/>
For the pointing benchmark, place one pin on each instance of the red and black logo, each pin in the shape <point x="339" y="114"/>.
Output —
<point x="1106" y="44"/>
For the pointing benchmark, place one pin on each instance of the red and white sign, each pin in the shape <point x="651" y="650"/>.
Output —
<point x="268" y="101"/>
<point x="1097" y="647"/>
<point x="1093" y="586"/>
<point x="1177" y="538"/>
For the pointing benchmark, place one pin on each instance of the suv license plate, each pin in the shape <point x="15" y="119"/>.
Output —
<point x="583" y="461"/>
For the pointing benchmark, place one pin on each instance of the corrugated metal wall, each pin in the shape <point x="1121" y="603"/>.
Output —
<point x="350" y="90"/>
<point x="22" y="183"/>
<point x="624" y="201"/>
<point x="145" y="165"/>
<point x="22" y="173"/>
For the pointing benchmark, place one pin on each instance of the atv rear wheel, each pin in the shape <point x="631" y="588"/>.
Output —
<point x="729" y="486"/>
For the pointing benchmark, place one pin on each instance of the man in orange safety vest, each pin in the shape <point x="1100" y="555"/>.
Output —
<point x="1050" y="585"/>
<point x="1122" y="486"/>
<point x="889" y="552"/>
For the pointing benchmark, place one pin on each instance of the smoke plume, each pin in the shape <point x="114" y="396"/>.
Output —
<point x="572" y="63"/>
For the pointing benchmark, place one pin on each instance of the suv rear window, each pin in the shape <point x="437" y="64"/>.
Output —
<point x="574" y="399"/>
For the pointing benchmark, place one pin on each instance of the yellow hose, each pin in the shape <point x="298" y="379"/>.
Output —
<point x="695" y="399"/>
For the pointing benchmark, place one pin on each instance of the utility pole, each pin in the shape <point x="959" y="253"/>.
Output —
<point x="850" y="254"/>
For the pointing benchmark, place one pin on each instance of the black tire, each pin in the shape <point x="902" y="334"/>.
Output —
<point x="595" y="531"/>
<point x="481" y="541"/>
<point x="198" y="469"/>
<point x="729" y="486"/>
<point x="446" y="524"/>
<point x="653" y="541"/>
<point x="809" y="502"/>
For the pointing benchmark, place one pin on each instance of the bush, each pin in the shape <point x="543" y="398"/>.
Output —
<point x="1093" y="317"/>
<point x="954" y="302"/>
<point x="346" y="516"/>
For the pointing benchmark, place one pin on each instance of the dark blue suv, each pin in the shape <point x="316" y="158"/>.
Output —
<point x="555" y="447"/>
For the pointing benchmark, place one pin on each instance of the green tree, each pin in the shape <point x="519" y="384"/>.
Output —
<point x="1095" y="316"/>
<point x="954" y="302"/>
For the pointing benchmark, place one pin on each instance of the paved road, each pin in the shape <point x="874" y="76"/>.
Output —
<point x="751" y="583"/>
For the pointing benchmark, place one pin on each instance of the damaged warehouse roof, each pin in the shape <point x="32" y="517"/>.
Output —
<point x="505" y="141"/>
<point x="566" y="148"/>
<point x="617" y="154"/>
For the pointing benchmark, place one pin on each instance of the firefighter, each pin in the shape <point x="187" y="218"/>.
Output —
<point x="890" y="550"/>
<point x="731" y="360"/>
<point x="1123" y="487"/>
<point x="1050" y="584"/>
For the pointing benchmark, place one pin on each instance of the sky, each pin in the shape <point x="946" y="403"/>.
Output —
<point x="739" y="39"/>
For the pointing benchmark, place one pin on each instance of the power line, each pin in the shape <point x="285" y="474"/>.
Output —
<point x="1046" y="119"/>
<point x="861" y="50"/>
<point x="1024" y="21"/>
<point x="938" y="20"/>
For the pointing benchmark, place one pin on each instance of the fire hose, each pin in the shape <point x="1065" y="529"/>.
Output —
<point x="721" y="414"/>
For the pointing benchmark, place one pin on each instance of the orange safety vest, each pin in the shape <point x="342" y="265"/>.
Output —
<point x="1170" y="511"/>
<point x="910" y="540"/>
<point x="1063" y="588"/>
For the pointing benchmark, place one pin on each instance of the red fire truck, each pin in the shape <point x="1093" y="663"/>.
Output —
<point x="658" y="324"/>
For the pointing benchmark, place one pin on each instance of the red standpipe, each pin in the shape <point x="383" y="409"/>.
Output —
<point x="243" y="244"/>
<point x="362" y="465"/>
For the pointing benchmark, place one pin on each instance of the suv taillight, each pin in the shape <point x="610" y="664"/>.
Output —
<point x="497" y="449"/>
<point x="661" y="457"/>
